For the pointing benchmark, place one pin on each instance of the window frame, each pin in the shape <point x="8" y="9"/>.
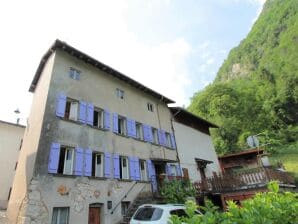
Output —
<point x="168" y="139"/>
<point x="74" y="73"/>
<point x="122" y="125"/>
<point x="139" y="131"/>
<point x="144" y="176"/>
<point x="120" y="93"/>
<point x="94" y="164"/>
<point x="155" y="135"/>
<point x="150" y="107"/>
<point x="100" y="123"/>
<point x="62" y="160"/>
<point x="68" y="107"/>
<point x="122" y="168"/>
<point x="58" y="220"/>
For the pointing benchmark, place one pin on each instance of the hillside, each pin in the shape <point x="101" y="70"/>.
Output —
<point x="256" y="88"/>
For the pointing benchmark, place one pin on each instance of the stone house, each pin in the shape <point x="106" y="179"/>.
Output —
<point x="95" y="140"/>
<point x="10" y="144"/>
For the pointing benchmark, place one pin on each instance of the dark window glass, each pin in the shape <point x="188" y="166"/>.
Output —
<point x="148" y="214"/>
<point x="179" y="212"/>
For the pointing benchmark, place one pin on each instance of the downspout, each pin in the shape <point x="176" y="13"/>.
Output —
<point x="173" y="130"/>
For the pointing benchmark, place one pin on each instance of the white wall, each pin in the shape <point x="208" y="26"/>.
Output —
<point x="192" y="144"/>
<point x="10" y="139"/>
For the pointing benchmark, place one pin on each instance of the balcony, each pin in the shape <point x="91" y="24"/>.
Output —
<point x="249" y="179"/>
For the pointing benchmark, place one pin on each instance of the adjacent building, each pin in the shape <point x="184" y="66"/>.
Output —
<point x="10" y="144"/>
<point x="196" y="152"/>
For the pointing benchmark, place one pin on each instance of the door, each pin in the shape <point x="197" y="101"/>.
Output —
<point x="94" y="215"/>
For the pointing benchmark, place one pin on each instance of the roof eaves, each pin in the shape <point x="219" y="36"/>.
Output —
<point x="71" y="50"/>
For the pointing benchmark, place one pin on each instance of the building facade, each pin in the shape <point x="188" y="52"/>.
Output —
<point x="196" y="152"/>
<point x="95" y="140"/>
<point x="10" y="143"/>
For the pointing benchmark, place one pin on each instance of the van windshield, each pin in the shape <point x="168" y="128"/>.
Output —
<point x="148" y="214"/>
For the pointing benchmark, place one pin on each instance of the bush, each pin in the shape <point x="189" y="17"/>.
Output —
<point x="269" y="207"/>
<point x="177" y="191"/>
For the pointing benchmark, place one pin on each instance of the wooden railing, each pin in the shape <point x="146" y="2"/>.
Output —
<point x="248" y="179"/>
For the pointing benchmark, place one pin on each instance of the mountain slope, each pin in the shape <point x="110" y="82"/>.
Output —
<point x="256" y="88"/>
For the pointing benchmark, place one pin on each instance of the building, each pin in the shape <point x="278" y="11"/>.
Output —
<point x="10" y="143"/>
<point x="196" y="152"/>
<point x="95" y="140"/>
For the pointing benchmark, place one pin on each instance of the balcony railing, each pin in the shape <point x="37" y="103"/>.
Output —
<point x="253" y="178"/>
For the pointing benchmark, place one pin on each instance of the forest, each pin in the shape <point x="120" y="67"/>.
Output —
<point x="255" y="91"/>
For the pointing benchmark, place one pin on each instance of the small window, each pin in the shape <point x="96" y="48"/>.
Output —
<point x="173" y="171"/>
<point x="74" y="74"/>
<point x="155" y="135"/>
<point x="150" y="107"/>
<point x="71" y="110"/>
<point x="121" y="125"/>
<point x="60" y="215"/>
<point x="143" y="168"/>
<point x="168" y="138"/>
<point x="97" y="164"/>
<point x="124" y="207"/>
<point x="139" y="130"/>
<point x="98" y="118"/>
<point x="120" y="93"/>
<point x="66" y="160"/>
<point x="124" y="169"/>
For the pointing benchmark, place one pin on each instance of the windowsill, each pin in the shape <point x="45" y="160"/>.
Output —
<point x="65" y="175"/>
<point x="125" y="180"/>
<point x="97" y="128"/>
<point x="71" y="121"/>
<point x="97" y="178"/>
<point x="122" y="135"/>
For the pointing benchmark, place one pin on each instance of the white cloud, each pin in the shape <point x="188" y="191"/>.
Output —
<point x="97" y="28"/>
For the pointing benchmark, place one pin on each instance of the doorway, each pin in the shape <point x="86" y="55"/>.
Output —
<point x="94" y="213"/>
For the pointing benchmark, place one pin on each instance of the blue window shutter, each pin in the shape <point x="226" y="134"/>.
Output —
<point x="178" y="168"/>
<point x="133" y="129"/>
<point x="152" y="175"/>
<point x="107" y="123"/>
<point x="173" y="141"/>
<point x="83" y="112"/>
<point x="150" y="136"/>
<point x="116" y="166"/>
<point x="90" y="113"/>
<point x="164" y="139"/>
<point x="132" y="168"/>
<point x="88" y="162"/>
<point x="128" y="125"/>
<point x="160" y="140"/>
<point x="168" y="170"/>
<point x="137" y="169"/>
<point x="54" y="158"/>
<point x="145" y="132"/>
<point x="78" y="170"/>
<point x="107" y="164"/>
<point x="115" y="123"/>
<point x="60" y="105"/>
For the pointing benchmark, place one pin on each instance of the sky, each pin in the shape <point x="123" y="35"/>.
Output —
<point x="174" y="47"/>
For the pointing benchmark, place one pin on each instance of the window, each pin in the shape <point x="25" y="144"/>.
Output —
<point x="74" y="74"/>
<point x="150" y="107"/>
<point x="139" y="130"/>
<point x="124" y="171"/>
<point x="168" y="138"/>
<point x="97" y="164"/>
<point x="120" y="93"/>
<point x="71" y="110"/>
<point x="143" y="170"/>
<point x="179" y="212"/>
<point x="154" y="135"/>
<point x="124" y="207"/>
<point x="121" y="125"/>
<point x="60" y="215"/>
<point x="173" y="171"/>
<point x="148" y="214"/>
<point x="98" y="118"/>
<point x="66" y="161"/>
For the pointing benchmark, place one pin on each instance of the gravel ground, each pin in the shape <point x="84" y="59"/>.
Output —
<point x="3" y="219"/>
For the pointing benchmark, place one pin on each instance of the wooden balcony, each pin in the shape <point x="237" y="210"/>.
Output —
<point x="249" y="179"/>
